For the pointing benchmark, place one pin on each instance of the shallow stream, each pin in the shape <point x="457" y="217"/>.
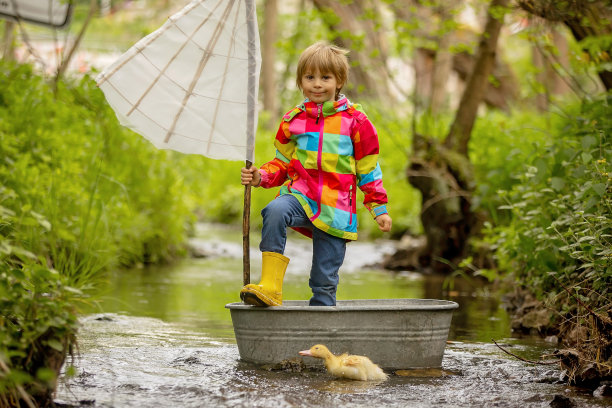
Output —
<point x="162" y="337"/>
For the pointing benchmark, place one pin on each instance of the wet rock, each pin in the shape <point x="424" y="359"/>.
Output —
<point x="561" y="401"/>
<point x="529" y="315"/>
<point x="549" y="377"/>
<point x="424" y="373"/>
<point x="604" y="390"/>
<point x="568" y="357"/>
<point x="588" y="373"/>
<point x="80" y="403"/>
<point x="535" y="398"/>
<point x="131" y="387"/>
<point x="552" y="339"/>
<point x="200" y="248"/>
<point x="197" y="252"/>
<point x="293" y="365"/>
<point x="84" y="378"/>
<point x="535" y="319"/>
<point x="578" y="335"/>
<point x="191" y="360"/>
<point x="406" y="257"/>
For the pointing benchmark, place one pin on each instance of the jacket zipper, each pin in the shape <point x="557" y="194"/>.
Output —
<point x="351" y="205"/>
<point x="319" y="159"/>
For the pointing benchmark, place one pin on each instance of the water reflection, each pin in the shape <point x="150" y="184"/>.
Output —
<point x="195" y="291"/>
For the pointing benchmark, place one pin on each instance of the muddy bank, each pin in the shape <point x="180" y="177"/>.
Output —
<point x="583" y="343"/>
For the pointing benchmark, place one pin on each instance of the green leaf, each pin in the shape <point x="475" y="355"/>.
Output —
<point x="588" y="141"/>
<point x="591" y="202"/>
<point x="18" y="274"/>
<point x="45" y="374"/>
<point x="44" y="274"/>
<point x="23" y="253"/>
<point x="71" y="371"/>
<point x="65" y="235"/>
<point x="73" y="290"/>
<point x="599" y="188"/>
<point x="586" y="157"/>
<point x="490" y="274"/>
<point x="55" y="344"/>
<point x="41" y="220"/>
<point x="557" y="183"/>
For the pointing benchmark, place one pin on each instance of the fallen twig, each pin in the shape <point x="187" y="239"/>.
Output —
<point x="524" y="359"/>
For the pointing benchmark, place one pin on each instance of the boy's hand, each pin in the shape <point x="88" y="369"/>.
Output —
<point x="384" y="222"/>
<point x="250" y="176"/>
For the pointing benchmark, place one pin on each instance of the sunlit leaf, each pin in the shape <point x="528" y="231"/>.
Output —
<point x="55" y="344"/>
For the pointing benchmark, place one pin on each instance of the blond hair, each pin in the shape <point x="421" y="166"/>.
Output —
<point x="326" y="58"/>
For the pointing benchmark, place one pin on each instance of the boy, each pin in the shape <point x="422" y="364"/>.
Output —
<point x="326" y="148"/>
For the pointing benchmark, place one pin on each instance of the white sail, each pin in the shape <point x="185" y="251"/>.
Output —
<point x="191" y="86"/>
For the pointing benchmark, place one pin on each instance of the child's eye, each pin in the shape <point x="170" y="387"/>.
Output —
<point x="326" y="77"/>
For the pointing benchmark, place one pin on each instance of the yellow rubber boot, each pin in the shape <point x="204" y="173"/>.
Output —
<point x="269" y="291"/>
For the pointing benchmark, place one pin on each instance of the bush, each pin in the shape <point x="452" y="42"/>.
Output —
<point x="559" y="237"/>
<point x="79" y="194"/>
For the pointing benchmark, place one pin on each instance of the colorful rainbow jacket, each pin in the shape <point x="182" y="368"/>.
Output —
<point x="323" y="152"/>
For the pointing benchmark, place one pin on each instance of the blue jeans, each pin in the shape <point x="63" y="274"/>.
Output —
<point x="327" y="250"/>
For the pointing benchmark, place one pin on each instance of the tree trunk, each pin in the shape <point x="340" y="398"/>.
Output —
<point x="423" y="69"/>
<point x="443" y="172"/>
<point x="432" y="67"/>
<point x="446" y="182"/>
<point x="443" y="61"/>
<point x="413" y="13"/>
<point x="459" y="135"/>
<point x="439" y="77"/>
<point x="497" y="95"/>
<point x="559" y="85"/>
<point x="8" y="50"/>
<point x="367" y="46"/>
<point x="542" y="97"/>
<point x="268" y="46"/>
<point x="583" y="18"/>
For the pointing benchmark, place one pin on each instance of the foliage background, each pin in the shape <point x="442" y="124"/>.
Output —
<point x="80" y="195"/>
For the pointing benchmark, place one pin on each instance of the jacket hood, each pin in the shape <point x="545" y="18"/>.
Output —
<point x="328" y="107"/>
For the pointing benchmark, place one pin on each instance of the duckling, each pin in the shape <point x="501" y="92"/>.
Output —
<point x="346" y="366"/>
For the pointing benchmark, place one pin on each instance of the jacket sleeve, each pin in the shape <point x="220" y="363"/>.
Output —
<point x="274" y="172"/>
<point x="369" y="174"/>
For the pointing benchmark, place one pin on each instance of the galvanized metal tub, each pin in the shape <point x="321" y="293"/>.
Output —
<point x="393" y="333"/>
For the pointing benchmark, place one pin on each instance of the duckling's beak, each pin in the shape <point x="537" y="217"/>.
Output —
<point x="305" y="353"/>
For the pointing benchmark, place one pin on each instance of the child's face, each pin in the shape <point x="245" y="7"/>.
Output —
<point x="320" y="87"/>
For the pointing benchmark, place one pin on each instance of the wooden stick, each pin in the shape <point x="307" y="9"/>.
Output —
<point x="246" y="222"/>
<point x="523" y="359"/>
